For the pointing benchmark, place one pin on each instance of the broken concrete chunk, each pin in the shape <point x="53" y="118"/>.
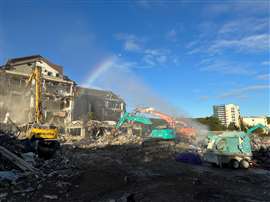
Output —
<point x="3" y="195"/>
<point x="8" y="175"/>
<point x="29" y="157"/>
<point x="51" y="197"/>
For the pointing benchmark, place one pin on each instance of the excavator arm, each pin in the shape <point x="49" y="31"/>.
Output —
<point x="184" y="130"/>
<point x="163" y="116"/>
<point x="130" y="117"/>
<point x="36" y="75"/>
<point x="251" y="130"/>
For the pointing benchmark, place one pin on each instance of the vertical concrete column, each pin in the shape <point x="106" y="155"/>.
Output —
<point x="83" y="130"/>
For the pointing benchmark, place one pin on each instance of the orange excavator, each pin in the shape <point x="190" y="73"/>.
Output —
<point x="180" y="127"/>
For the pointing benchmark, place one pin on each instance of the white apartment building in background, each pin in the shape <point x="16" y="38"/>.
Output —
<point x="253" y="120"/>
<point x="227" y="113"/>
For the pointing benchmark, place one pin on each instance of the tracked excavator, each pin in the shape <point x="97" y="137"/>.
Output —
<point x="173" y="127"/>
<point x="42" y="137"/>
<point x="158" y="133"/>
<point x="167" y="132"/>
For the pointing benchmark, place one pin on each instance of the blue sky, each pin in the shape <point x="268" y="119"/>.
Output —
<point x="191" y="53"/>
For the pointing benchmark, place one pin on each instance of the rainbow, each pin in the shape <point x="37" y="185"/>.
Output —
<point x="98" y="70"/>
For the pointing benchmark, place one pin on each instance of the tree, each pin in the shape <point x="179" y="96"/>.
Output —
<point x="213" y="123"/>
<point x="268" y="120"/>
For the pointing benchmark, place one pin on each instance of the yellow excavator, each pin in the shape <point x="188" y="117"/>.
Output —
<point x="43" y="137"/>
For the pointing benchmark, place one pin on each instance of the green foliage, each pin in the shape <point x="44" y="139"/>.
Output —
<point x="213" y="123"/>
<point x="268" y="120"/>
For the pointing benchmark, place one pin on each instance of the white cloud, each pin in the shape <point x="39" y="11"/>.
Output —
<point x="130" y="42"/>
<point x="238" y="93"/>
<point x="245" y="26"/>
<point x="131" y="45"/>
<point x="241" y="34"/>
<point x="156" y="56"/>
<point x="241" y="8"/>
<point x="194" y="51"/>
<point x="226" y="67"/>
<point x="263" y="77"/>
<point x="149" y="60"/>
<point x="267" y="63"/>
<point x="254" y="43"/>
<point x="157" y="52"/>
<point x="162" y="59"/>
<point x="150" y="56"/>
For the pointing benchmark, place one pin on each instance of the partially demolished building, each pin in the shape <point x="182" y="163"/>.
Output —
<point x="97" y="104"/>
<point x="18" y="101"/>
<point x="63" y="101"/>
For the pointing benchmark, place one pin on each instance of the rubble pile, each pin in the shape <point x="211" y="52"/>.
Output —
<point x="9" y="142"/>
<point x="119" y="139"/>
<point x="262" y="158"/>
<point x="111" y="167"/>
<point x="261" y="151"/>
<point x="22" y="174"/>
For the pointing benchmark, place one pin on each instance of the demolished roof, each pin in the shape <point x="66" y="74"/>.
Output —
<point x="98" y="93"/>
<point x="32" y="58"/>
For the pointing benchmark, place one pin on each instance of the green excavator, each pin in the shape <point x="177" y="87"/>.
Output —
<point x="158" y="133"/>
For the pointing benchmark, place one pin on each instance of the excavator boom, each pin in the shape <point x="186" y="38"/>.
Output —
<point x="163" y="116"/>
<point x="129" y="117"/>
<point x="251" y="130"/>
<point x="37" y="77"/>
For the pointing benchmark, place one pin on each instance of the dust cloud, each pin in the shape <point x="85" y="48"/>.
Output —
<point x="17" y="107"/>
<point x="122" y="80"/>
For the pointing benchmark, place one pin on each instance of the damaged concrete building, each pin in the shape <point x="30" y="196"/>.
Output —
<point x="97" y="104"/>
<point x="16" y="99"/>
<point x="63" y="101"/>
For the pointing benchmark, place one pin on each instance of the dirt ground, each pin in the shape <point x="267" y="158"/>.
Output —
<point x="132" y="173"/>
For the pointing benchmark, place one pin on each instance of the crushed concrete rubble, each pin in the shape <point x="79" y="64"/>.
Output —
<point x="261" y="151"/>
<point x="122" y="167"/>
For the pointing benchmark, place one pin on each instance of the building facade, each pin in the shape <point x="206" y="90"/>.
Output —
<point x="227" y="114"/>
<point x="62" y="100"/>
<point x="17" y="99"/>
<point x="97" y="104"/>
<point x="254" y="120"/>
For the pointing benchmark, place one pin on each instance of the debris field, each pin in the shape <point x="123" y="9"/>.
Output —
<point x="123" y="167"/>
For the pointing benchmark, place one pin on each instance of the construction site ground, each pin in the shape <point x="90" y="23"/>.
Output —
<point x="132" y="172"/>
